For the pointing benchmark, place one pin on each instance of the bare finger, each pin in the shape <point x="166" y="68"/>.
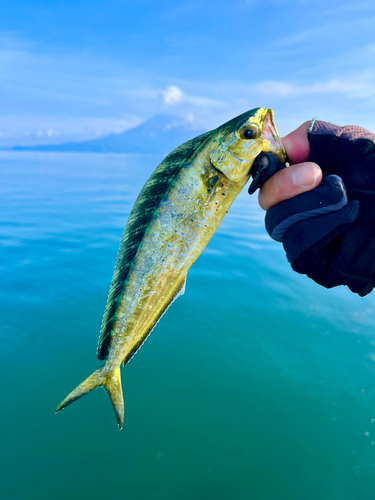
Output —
<point x="288" y="183"/>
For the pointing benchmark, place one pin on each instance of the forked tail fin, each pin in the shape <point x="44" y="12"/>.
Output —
<point x="111" y="381"/>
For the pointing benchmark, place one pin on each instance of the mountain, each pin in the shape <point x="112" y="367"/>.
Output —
<point x="159" y="135"/>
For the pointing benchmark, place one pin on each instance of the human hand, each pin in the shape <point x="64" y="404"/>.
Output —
<point x="322" y="231"/>
<point x="300" y="177"/>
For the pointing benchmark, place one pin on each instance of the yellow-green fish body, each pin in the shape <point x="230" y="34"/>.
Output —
<point x="173" y="219"/>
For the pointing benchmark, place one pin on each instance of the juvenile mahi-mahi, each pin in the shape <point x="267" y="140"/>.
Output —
<point x="174" y="217"/>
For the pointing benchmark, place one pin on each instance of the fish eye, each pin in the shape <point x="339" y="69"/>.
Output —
<point x="250" y="132"/>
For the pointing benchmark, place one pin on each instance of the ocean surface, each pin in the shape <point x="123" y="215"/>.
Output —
<point x="257" y="384"/>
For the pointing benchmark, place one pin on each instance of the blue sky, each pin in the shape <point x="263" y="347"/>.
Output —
<point x="78" y="70"/>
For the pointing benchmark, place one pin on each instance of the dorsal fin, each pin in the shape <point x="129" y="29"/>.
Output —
<point x="139" y="219"/>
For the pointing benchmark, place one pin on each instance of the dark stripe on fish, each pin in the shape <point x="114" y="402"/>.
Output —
<point x="139" y="219"/>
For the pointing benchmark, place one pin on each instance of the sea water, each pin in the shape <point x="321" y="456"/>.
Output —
<point x="256" y="384"/>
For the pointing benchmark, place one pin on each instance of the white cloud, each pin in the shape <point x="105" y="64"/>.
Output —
<point x="80" y="97"/>
<point x="206" y="102"/>
<point x="359" y="87"/>
<point x="30" y="130"/>
<point x="50" y="132"/>
<point x="330" y="24"/>
<point x="173" y="95"/>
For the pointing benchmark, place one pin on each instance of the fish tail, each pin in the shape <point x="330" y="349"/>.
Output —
<point x="110" y="380"/>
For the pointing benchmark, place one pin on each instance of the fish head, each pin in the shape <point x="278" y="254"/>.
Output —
<point x="236" y="144"/>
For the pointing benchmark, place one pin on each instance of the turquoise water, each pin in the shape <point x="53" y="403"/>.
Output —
<point x="257" y="383"/>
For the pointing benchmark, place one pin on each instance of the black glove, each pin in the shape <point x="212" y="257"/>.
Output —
<point x="329" y="233"/>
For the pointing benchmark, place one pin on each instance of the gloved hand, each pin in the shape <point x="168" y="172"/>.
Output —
<point x="329" y="233"/>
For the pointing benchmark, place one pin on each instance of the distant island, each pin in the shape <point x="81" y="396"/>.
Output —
<point x="159" y="135"/>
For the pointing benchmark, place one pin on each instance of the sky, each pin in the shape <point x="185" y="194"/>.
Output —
<point x="76" y="70"/>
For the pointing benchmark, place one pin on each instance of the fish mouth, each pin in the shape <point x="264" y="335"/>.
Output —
<point x="272" y="139"/>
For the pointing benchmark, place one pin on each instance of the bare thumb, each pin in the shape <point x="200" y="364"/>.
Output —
<point x="289" y="182"/>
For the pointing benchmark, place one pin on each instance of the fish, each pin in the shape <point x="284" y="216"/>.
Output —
<point x="174" y="217"/>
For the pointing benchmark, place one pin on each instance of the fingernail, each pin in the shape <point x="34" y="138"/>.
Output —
<point x="305" y="175"/>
